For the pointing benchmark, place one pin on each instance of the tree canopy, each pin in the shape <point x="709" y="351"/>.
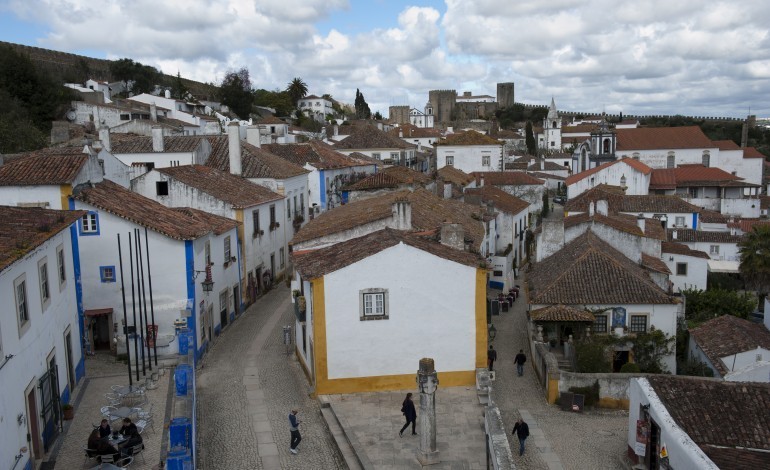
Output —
<point x="755" y="258"/>
<point x="362" y="107"/>
<point x="136" y="77"/>
<point x="297" y="89"/>
<point x="235" y="92"/>
<point x="702" y="305"/>
<point x="530" y="139"/>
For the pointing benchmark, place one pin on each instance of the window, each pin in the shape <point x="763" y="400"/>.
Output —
<point x="207" y="252"/>
<point x="681" y="269"/>
<point x="272" y="217"/>
<point x="107" y="273"/>
<point x="600" y="324"/>
<point x="89" y="224"/>
<point x="295" y="205"/>
<point x="22" y="307"/>
<point x="281" y="257"/>
<point x="553" y="143"/>
<point x="125" y="117"/>
<point x="224" y="303"/>
<point x="255" y="222"/>
<point x="376" y="155"/>
<point x="394" y="155"/>
<point x="638" y="324"/>
<point x="373" y="304"/>
<point x="714" y="250"/>
<point x="45" y="292"/>
<point x="679" y="221"/>
<point x="302" y="204"/>
<point x="670" y="160"/>
<point x="288" y="208"/>
<point x="161" y="188"/>
<point x="60" y="267"/>
<point x="706" y="160"/>
<point x="227" y="249"/>
<point x="485" y="160"/>
<point x="450" y="160"/>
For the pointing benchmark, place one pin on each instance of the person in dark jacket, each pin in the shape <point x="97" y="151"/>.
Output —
<point x="133" y="438"/>
<point x="99" y="445"/>
<point x="104" y="429"/>
<point x="407" y="408"/>
<point x="521" y="430"/>
<point x="491" y="358"/>
<point x="519" y="360"/>
<point x="296" y="437"/>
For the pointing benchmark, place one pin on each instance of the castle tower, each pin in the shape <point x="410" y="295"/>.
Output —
<point x="443" y="103"/>
<point x="429" y="115"/>
<point x="505" y="95"/>
<point x="552" y="129"/>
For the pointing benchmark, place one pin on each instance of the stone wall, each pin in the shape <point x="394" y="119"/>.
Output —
<point x="443" y="102"/>
<point x="613" y="388"/>
<point x="505" y="96"/>
<point x="398" y="114"/>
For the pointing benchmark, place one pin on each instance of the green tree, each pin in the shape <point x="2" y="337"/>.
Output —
<point x="592" y="354"/>
<point x="178" y="88"/>
<point x="362" y="107"/>
<point x="278" y="100"/>
<point x="649" y="349"/>
<point x="704" y="305"/>
<point x="546" y="206"/>
<point x="530" y="139"/>
<point x="136" y="77"/>
<point x="297" y="89"/>
<point x="755" y="258"/>
<point x="378" y="116"/>
<point x="235" y="92"/>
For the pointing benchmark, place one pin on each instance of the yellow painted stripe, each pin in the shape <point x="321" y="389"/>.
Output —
<point x="481" y="318"/>
<point x="319" y="333"/>
<point x="66" y="192"/>
<point x="390" y="382"/>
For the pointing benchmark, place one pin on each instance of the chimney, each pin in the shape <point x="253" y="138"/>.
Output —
<point x="450" y="130"/>
<point x="157" y="139"/>
<point x="252" y="136"/>
<point x="602" y="207"/>
<point x="542" y="164"/>
<point x="402" y="214"/>
<point x="673" y="235"/>
<point x="336" y="130"/>
<point x="591" y="209"/>
<point x="234" y="147"/>
<point x="153" y="112"/>
<point x="640" y="222"/>
<point x="400" y="133"/>
<point x="453" y="236"/>
<point x="167" y="94"/>
<point x="447" y="190"/>
<point x="532" y="161"/>
<point x="419" y="146"/>
<point x="104" y="136"/>
<point x="481" y="181"/>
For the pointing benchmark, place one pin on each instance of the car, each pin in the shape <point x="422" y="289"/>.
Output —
<point x="560" y="199"/>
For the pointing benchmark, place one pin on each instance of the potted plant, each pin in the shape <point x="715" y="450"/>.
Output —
<point x="553" y="342"/>
<point x="68" y="411"/>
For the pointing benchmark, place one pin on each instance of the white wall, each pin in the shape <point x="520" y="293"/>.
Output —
<point x="754" y="372"/>
<point x="15" y="195"/>
<point x="426" y="294"/>
<point x="697" y="271"/>
<point x="746" y="358"/>
<point x="469" y="158"/>
<point x="636" y="182"/>
<point x="44" y="334"/>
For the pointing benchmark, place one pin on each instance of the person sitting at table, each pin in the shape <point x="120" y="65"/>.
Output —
<point x="133" y="438"/>
<point x="104" y="429"/>
<point x="100" y="445"/>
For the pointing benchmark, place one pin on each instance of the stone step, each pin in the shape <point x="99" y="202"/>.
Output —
<point x="340" y="438"/>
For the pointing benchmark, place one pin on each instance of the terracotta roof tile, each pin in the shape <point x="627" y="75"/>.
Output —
<point x="713" y="217"/>
<point x="316" y="263"/>
<point x="391" y="177"/>
<point x="651" y="138"/>
<point x="412" y="131"/>
<point x="428" y="213"/>
<point x="727" y="335"/>
<point x="623" y="222"/>
<point x="654" y="264"/>
<point x="255" y="162"/>
<point x="717" y="414"/>
<point x="561" y="313"/>
<point x="506" y="178"/>
<point x="579" y="129"/>
<point x="726" y="145"/>
<point x="233" y="190"/>
<point x="117" y="200"/>
<point x="546" y="176"/>
<point x="216" y="223"/>
<point x="320" y="155"/>
<point x="272" y="120"/>
<point x="369" y="137"/>
<point x="468" y="138"/>
<point x="693" y="175"/>
<point x="23" y="229"/>
<point x="580" y="272"/>
<point x="617" y="201"/>
<point x="747" y="225"/>
<point x="52" y="166"/>
<point x="685" y="235"/>
<point x="452" y="175"/>
<point x="635" y="164"/>
<point x="680" y="249"/>
<point x="502" y="201"/>
<point x="143" y="144"/>
<point x="751" y="152"/>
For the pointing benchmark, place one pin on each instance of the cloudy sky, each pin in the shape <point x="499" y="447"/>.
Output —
<point x="696" y="57"/>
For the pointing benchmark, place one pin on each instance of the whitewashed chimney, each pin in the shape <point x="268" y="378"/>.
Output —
<point x="591" y="209"/>
<point x="252" y="136"/>
<point x="481" y="181"/>
<point x="542" y="164"/>
<point x="640" y="222"/>
<point x="453" y="236"/>
<point x="336" y="130"/>
<point x="104" y="136"/>
<point x="167" y="94"/>
<point x="602" y="207"/>
<point x="400" y="133"/>
<point x="234" y="147"/>
<point x="153" y="112"/>
<point x="673" y="235"/>
<point x="402" y="214"/>
<point x="447" y="190"/>
<point x="157" y="139"/>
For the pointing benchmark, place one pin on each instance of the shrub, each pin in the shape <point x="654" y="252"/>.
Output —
<point x="630" y="368"/>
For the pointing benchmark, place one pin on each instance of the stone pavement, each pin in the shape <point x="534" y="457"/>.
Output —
<point x="101" y="373"/>
<point x="247" y="385"/>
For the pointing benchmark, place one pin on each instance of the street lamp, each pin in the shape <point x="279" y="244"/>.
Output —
<point x="492" y="332"/>
<point x="207" y="284"/>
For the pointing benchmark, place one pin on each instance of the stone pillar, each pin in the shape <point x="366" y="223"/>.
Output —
<point x="427" y="381"/>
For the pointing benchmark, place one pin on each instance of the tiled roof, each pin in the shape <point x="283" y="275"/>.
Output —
<point x="747" y="225"/>
<point x="468" y="138"/>
<point x="579" y="129"/>
<point x="654" y="264"/>
<point x="693" y="175"/>
<point x="727" y="335"/>
<point x="371" y="160"/>
<point x="680" y="249"/>
<point x="217" y="223"/>
<point x="410" y="130"/>
<point x="726" y="145"/>
<point x="452" y="175"/>
<point x="713" y="217"/>
<point x="502" y="201"/>
<point x="635" y="164"/>
<point x="652" y="138"/>
<point x="561" y="313"/>
<point x="390" y="177"/>
<point x="23" y="229"/>
<point x="506" y="178"/>
<point x="233" y="190"/>
<point x="143" y="144"/>
<point x="52" y="166"/>
<point x="623" y="222"/>
<point x="752" y="152"/>
<point x="663" y="180"/>
<point x="684" y="235"/>
<point x="117" y="200"/>
<point x="547" y="166"/>
<point x="546" y="176"/>
<point x="316" y="263"/>
<point x="255" y="162"/>
<point x="581" y="272"/>
<point x="617" y="201"/>
<point x="272" y="120"/>
<point x="726" y="419"/>
<point x="369" y="137"/>
<point x="407" y="175"/>
<point x="428" y="213"/>
<point x="320" y="155"/>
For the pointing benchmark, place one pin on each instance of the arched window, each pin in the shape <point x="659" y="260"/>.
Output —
<point x="554" y="125"/>
<point x="706" y="158"/>
<point x="606" y="146"/>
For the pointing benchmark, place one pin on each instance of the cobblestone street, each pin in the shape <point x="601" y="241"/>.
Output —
<point x="234" y="434"/>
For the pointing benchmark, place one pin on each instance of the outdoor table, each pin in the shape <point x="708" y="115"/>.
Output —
<point x="122" y="412"/>
<point x="116" y="441"/>
<point x="129" y="389"/>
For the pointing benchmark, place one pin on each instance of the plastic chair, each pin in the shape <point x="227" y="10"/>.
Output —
<point x="90" y="454"/>
<point x="143" y="413"/>
<point x="107" y="410"/>
<point x="113" y="399"/>
<point x="138" y="450"/>
<point x="142" y="424"/>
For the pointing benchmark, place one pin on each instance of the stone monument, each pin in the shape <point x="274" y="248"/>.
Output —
<point x="427" y="381"/>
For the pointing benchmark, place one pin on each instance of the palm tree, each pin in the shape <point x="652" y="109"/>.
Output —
<point x="755" y="258"/>
<point x="297" y="89"/>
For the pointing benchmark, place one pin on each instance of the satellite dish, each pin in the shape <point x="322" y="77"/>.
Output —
<point x="71" y="115"/>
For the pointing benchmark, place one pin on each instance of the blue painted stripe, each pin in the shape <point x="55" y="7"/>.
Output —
<point x="322" y="192"/>
<point x="694" y="220"/>
<point x="80" y="369"/>
<point x="240" y="274"/>
<point x="189" y="275"/>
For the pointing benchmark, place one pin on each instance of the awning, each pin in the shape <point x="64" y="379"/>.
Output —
<point x="96" y="312"/>
<point x="719" y="266"/>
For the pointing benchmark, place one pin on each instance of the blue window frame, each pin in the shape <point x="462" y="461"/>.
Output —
<point x="107" y="273"/>
<point x="89" y="224"/>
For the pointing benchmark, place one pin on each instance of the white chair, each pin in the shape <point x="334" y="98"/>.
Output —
<point x="142" y="424"/>
<point x="107" y="411"/>
<point x="144" y="413"/>
<point x="138" y="450"/>
<point x="113" y="399"/>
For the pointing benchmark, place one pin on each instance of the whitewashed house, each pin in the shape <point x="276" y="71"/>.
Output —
<point x="469" y="151"/>
<point x="378" y="144"/>
<point x="41" y="353"/>
<point x="689" y="268"/>
<point x="722" y="247"/>
<point x="161" y="151"/>
<point x="182" y="245"/>
<point x="728" y="344"/>
<point x="392" y="178"/>
<point x="316" y="107"/>
<point x="191" y="113"/>
<point x="368" y="302"/>
<point x="515" y="183"/>
<point x="422" y="137"/>
<point x="628" y="173"/>
<point x="263" y="234"/>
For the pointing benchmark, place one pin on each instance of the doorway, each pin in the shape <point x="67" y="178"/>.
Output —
<point x="33" y="424"/>
<point x="619" y="359"/>
<point x="101" y="331"/>
<point x="68" y="358"/>
<point x="236" y="300"/>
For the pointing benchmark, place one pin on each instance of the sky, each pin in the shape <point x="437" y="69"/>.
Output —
<point x="692" y="57"/>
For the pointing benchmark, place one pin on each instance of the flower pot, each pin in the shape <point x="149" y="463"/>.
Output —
<point x="68" y="413"/>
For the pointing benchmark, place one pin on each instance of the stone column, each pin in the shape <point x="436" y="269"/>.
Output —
<point x="427" y="381"/>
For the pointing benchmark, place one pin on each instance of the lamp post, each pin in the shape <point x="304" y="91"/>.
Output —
<point x="207" y="284"/>
<point x="492" y="332"/>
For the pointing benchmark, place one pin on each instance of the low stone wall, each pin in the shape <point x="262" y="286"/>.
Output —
<point x="499" y="455"/>
<point x="613" y="388"/>
<point x="547" y="369"/>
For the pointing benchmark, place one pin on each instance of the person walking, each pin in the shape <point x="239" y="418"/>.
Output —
<point x="519" y="360"/>
<point x="407" y="408"/>
<point x="296" y="437"/>
<point x="521" y="430"/>
<point x="491" y="358"/>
